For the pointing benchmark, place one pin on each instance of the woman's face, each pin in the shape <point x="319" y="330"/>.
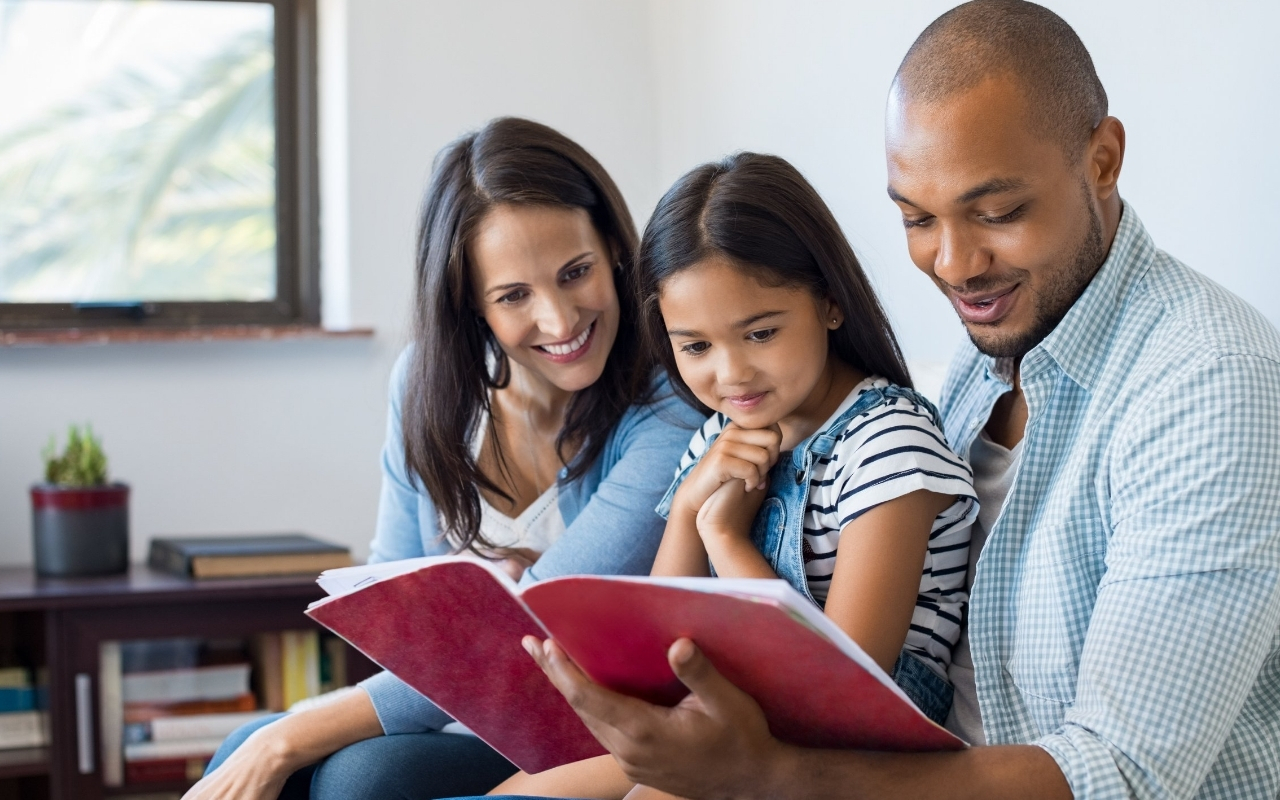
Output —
<point x="543" y="281"/>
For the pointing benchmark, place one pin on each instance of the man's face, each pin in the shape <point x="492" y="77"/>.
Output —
<point x="999" y="218"/>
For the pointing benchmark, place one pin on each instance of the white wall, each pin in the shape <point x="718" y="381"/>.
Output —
<point x="254" y="436"/>
<point x="1197" y="86"/>
<point x="257" y="436"/>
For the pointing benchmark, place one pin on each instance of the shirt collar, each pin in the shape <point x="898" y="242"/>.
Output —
<point x="1081" y="341"/>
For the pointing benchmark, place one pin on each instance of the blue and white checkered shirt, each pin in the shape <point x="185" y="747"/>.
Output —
<point x="1125" y="613"/>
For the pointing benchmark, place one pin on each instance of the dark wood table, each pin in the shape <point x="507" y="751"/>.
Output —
<point x="66" y="620"/>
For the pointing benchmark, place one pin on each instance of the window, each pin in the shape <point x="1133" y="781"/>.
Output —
<point x="157" y="163"/>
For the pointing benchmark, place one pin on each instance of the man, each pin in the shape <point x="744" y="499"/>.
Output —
<point x="1122" y="414"/>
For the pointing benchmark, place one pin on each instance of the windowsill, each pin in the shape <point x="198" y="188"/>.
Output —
<point x="208" y="333"/>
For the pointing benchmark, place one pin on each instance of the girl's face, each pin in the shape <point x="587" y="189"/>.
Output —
<point x="543" y="282"/>
<point x="756" y="353"/>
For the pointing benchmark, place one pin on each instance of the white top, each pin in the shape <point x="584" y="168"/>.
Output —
<point x="537" y="528"/>
<point x="892" y="450"/>
<point x="994" y="468"/>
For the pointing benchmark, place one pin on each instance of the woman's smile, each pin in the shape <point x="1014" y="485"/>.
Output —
<point x="570" y="350"/>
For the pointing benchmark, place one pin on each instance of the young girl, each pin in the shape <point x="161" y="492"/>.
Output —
<point x="819" y="464"/>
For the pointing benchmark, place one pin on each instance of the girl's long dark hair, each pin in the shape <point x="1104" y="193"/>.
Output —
<point x="508" y="161"/>
<point x="759" y="212"/>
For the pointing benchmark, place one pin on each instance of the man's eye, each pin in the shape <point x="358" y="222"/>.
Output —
<point x="1004" y="218"/>
<point x="762" y="335"/>
<point x="909" y="223"/>
<point x="694" y="348"/>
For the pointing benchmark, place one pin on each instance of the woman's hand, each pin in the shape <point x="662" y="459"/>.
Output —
<point x="259" y="767"/>
<point x="740" y="455"/>
<point x="257" y="770"/>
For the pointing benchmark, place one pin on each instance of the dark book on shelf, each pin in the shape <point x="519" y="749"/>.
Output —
<point x="246" y="556"/>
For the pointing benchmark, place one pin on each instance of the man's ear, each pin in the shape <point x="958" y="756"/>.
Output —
<point x="1106" y="157"/>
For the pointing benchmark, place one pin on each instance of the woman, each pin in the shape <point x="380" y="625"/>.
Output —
<point x="526" y="425"/>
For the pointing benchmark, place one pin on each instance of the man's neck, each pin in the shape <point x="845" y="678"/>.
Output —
<point x="1008" y="420"/>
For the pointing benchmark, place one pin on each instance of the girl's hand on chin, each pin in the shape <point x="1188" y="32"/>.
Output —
<point x="739" y="455"/>
<point x="729" y="511"/>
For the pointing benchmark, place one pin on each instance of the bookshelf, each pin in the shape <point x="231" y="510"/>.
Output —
<point x="60" y="625"/>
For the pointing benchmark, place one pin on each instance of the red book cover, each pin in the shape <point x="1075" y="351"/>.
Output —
<point x="451" y="628"/>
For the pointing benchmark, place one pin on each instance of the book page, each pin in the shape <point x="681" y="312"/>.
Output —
<point x="339" y="582"/>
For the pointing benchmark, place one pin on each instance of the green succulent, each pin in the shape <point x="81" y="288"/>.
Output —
<point x="82" y="463"/>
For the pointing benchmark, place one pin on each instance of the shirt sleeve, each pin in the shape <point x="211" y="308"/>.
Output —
<point x="892" y="451"/>
<point x="1188" y="610"/>
<point x="617" y="531"/>
<point x="403" y="531"/>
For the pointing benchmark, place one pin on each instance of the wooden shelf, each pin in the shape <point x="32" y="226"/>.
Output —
<point x="211" y="333"/>
<point x="24" y="762"/>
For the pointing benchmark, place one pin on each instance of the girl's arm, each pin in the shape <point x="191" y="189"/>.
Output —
<point x="712" y="511"/>
<point x="681" y="553"/>
<point x="877" y="572"/>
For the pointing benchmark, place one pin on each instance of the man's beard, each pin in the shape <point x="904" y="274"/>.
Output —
<point x="1058" y="296"/>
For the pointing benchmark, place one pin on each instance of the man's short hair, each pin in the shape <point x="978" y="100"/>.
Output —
<point x="1031" y="44"/>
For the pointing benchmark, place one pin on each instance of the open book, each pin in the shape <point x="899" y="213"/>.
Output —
<point x="451" y="627"/>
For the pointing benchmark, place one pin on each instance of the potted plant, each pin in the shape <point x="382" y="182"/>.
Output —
<point x="79" y="521"/>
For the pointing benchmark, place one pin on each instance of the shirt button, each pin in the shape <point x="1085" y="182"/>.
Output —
<point x="799" y="477"/>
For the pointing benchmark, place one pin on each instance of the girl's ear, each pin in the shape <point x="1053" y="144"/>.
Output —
<point x="832" y="316"/>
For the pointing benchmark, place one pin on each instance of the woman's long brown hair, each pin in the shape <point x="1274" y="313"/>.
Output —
<point x="516" y="162"/>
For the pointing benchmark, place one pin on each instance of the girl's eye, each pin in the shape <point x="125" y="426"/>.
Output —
<point x="574" y="273"/>
<point x="1005" y="218"/>
<point x="762" y="335"/>
<point x="694" y="348"/>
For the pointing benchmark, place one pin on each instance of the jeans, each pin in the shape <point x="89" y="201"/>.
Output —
<point x="406" y="766"/>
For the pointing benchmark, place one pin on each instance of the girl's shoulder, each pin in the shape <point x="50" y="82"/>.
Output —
<point x="880" y="414"/>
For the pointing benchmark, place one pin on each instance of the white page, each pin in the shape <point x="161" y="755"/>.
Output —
<point x="337" y="582"/>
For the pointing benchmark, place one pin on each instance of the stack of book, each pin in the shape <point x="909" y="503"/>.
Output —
<point x="23" y="722"/>
<point x="166" y="705"/>
<point x="245" y="556"/>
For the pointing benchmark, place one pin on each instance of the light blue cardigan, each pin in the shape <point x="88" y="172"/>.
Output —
<point x="611" y="527"/>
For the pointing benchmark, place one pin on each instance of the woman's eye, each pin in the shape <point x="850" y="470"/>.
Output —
<point x="575" y="273"/>
<point x="1003" y="218"/>
<point x="512" y="297"/>
<point x="694" y="348"/>
<point x="762" y="336"/>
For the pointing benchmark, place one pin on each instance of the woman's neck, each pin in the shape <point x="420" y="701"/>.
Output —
<point x="837" y="380"/>
<point x="540" y="404"/>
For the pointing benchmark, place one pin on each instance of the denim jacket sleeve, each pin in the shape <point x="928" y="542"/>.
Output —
<point x="613" y="532"/>
<point x="406" y="529"/>
<point x="616" y="532"/>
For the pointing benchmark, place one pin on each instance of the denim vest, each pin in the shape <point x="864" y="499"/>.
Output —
<point x="778" y="529"/>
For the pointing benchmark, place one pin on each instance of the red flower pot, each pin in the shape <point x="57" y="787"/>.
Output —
<point x="80" y="530"/>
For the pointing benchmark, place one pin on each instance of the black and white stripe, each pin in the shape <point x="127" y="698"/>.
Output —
<point x="890" y="451"/>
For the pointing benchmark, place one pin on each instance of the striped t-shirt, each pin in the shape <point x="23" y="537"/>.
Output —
<point x="892" y="450"/>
